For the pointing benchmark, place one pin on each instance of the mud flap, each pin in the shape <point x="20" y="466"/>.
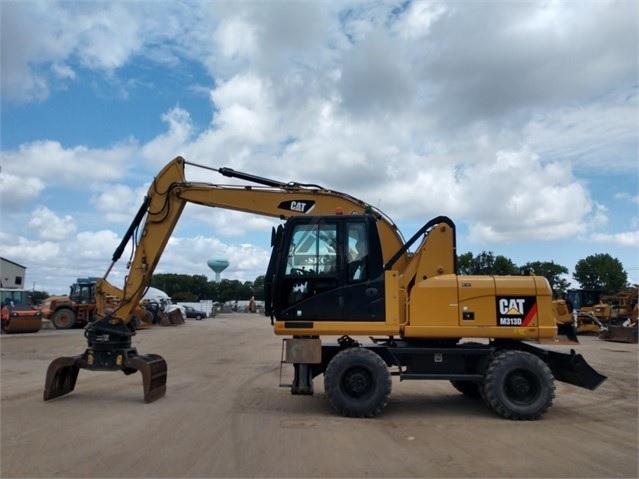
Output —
<point x="62" y="373"/>
<point x="573" y="369"/>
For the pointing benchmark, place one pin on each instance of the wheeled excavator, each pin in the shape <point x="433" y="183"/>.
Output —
<point x="423" y="320"/>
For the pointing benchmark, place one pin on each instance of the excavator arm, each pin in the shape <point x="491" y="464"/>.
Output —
<point x="109" y="338"/>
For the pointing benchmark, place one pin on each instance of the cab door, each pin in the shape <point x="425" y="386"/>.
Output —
<point x="317" y="277"/>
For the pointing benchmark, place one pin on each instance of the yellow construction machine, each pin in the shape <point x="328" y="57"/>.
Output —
<point x="621" y="311"/>
<point x="73" y="310"/>
<point x="611" y="317"/>
<point x="403" y="295"/>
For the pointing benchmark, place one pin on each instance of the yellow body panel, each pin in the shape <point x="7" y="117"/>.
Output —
<point x="450" y="306"/>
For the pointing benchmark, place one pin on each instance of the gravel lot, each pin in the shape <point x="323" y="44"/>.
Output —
<point x="225" y="415"/>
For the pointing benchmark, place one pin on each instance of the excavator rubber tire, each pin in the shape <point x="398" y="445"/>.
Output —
<point x="357" y="383"/>
<point x="518" y="385"/>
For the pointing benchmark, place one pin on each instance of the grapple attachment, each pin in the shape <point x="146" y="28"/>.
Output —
<point x="109" y="350"/>
<point x="62" y="373"/>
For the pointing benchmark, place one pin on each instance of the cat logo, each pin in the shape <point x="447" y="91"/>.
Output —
<point x="298" y="206"/>
<point x="511" y="307"/>
<point x="516" y="311"/>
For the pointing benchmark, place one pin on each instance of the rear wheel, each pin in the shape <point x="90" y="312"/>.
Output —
<point x="63" y="319"/>
<point x="198" y="317"/>
<point x="518" y="385"/>
<point x="357" y="383"/>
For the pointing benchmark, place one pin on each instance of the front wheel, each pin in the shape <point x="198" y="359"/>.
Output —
<point x="357" y="383"/>
<point x="518" y="385"/>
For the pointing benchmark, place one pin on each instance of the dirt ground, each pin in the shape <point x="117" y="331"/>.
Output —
<point x="224" y="415"/>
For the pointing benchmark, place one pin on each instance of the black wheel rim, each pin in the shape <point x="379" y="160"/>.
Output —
<point x="522" y="386"/>
<point x="358" y="383"/>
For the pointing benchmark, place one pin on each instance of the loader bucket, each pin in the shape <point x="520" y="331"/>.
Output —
<point x="175" y="317"/>
<point x="62" y="373"/>
<point x="573" y="369"/>
<point x="620" y="334"/>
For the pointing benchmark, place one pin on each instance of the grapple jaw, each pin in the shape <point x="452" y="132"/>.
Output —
<point x="109" y="350"/>
<point x="62" y="374"/>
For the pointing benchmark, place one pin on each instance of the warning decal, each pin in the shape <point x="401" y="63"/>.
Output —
<point x="518" y="311"/>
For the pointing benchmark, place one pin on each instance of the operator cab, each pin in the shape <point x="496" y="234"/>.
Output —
<point x="326" y="268"/>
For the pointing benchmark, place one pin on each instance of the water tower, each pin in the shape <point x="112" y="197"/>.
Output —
<point x="218" y="264"/>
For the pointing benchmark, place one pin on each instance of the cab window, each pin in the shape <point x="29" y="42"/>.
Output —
<point x="313" y="250"/>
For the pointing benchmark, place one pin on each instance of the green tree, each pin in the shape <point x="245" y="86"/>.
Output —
<point x="602" y="272"/>
<point x="258" y="288"/>
<point x="39" y="296"/>
<point x="184" y="296"/>
<point x="553" y="273"/>
<point x="465" y="263"/>
<point x="485" y="263"/>
<point x="504" y="266"/>
<point x="228" y="290"/>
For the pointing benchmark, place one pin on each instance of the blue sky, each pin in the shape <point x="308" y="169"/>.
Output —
<point x="518" y="120"/>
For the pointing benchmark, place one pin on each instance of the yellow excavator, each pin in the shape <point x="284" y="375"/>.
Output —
<point x="403" y="295"/>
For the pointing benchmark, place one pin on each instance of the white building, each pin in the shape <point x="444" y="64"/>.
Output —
<point x="12" y="275"/>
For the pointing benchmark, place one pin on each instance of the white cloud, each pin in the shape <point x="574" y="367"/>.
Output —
<point x="243" y="105"/>
<point x="118" y="203"/>
<point x="418" y="19"/>
<point x="236" y="39"/>
<point x="74" y="168"/>
<point x="517" y="197"/>
<point x="627" y="197"/>
<point x="16" y="190"/>
<point x="172" y="142"/>
<point x="51" y="227"/>
<point x="30" y="252"/>
<point x="627" y="238"/>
